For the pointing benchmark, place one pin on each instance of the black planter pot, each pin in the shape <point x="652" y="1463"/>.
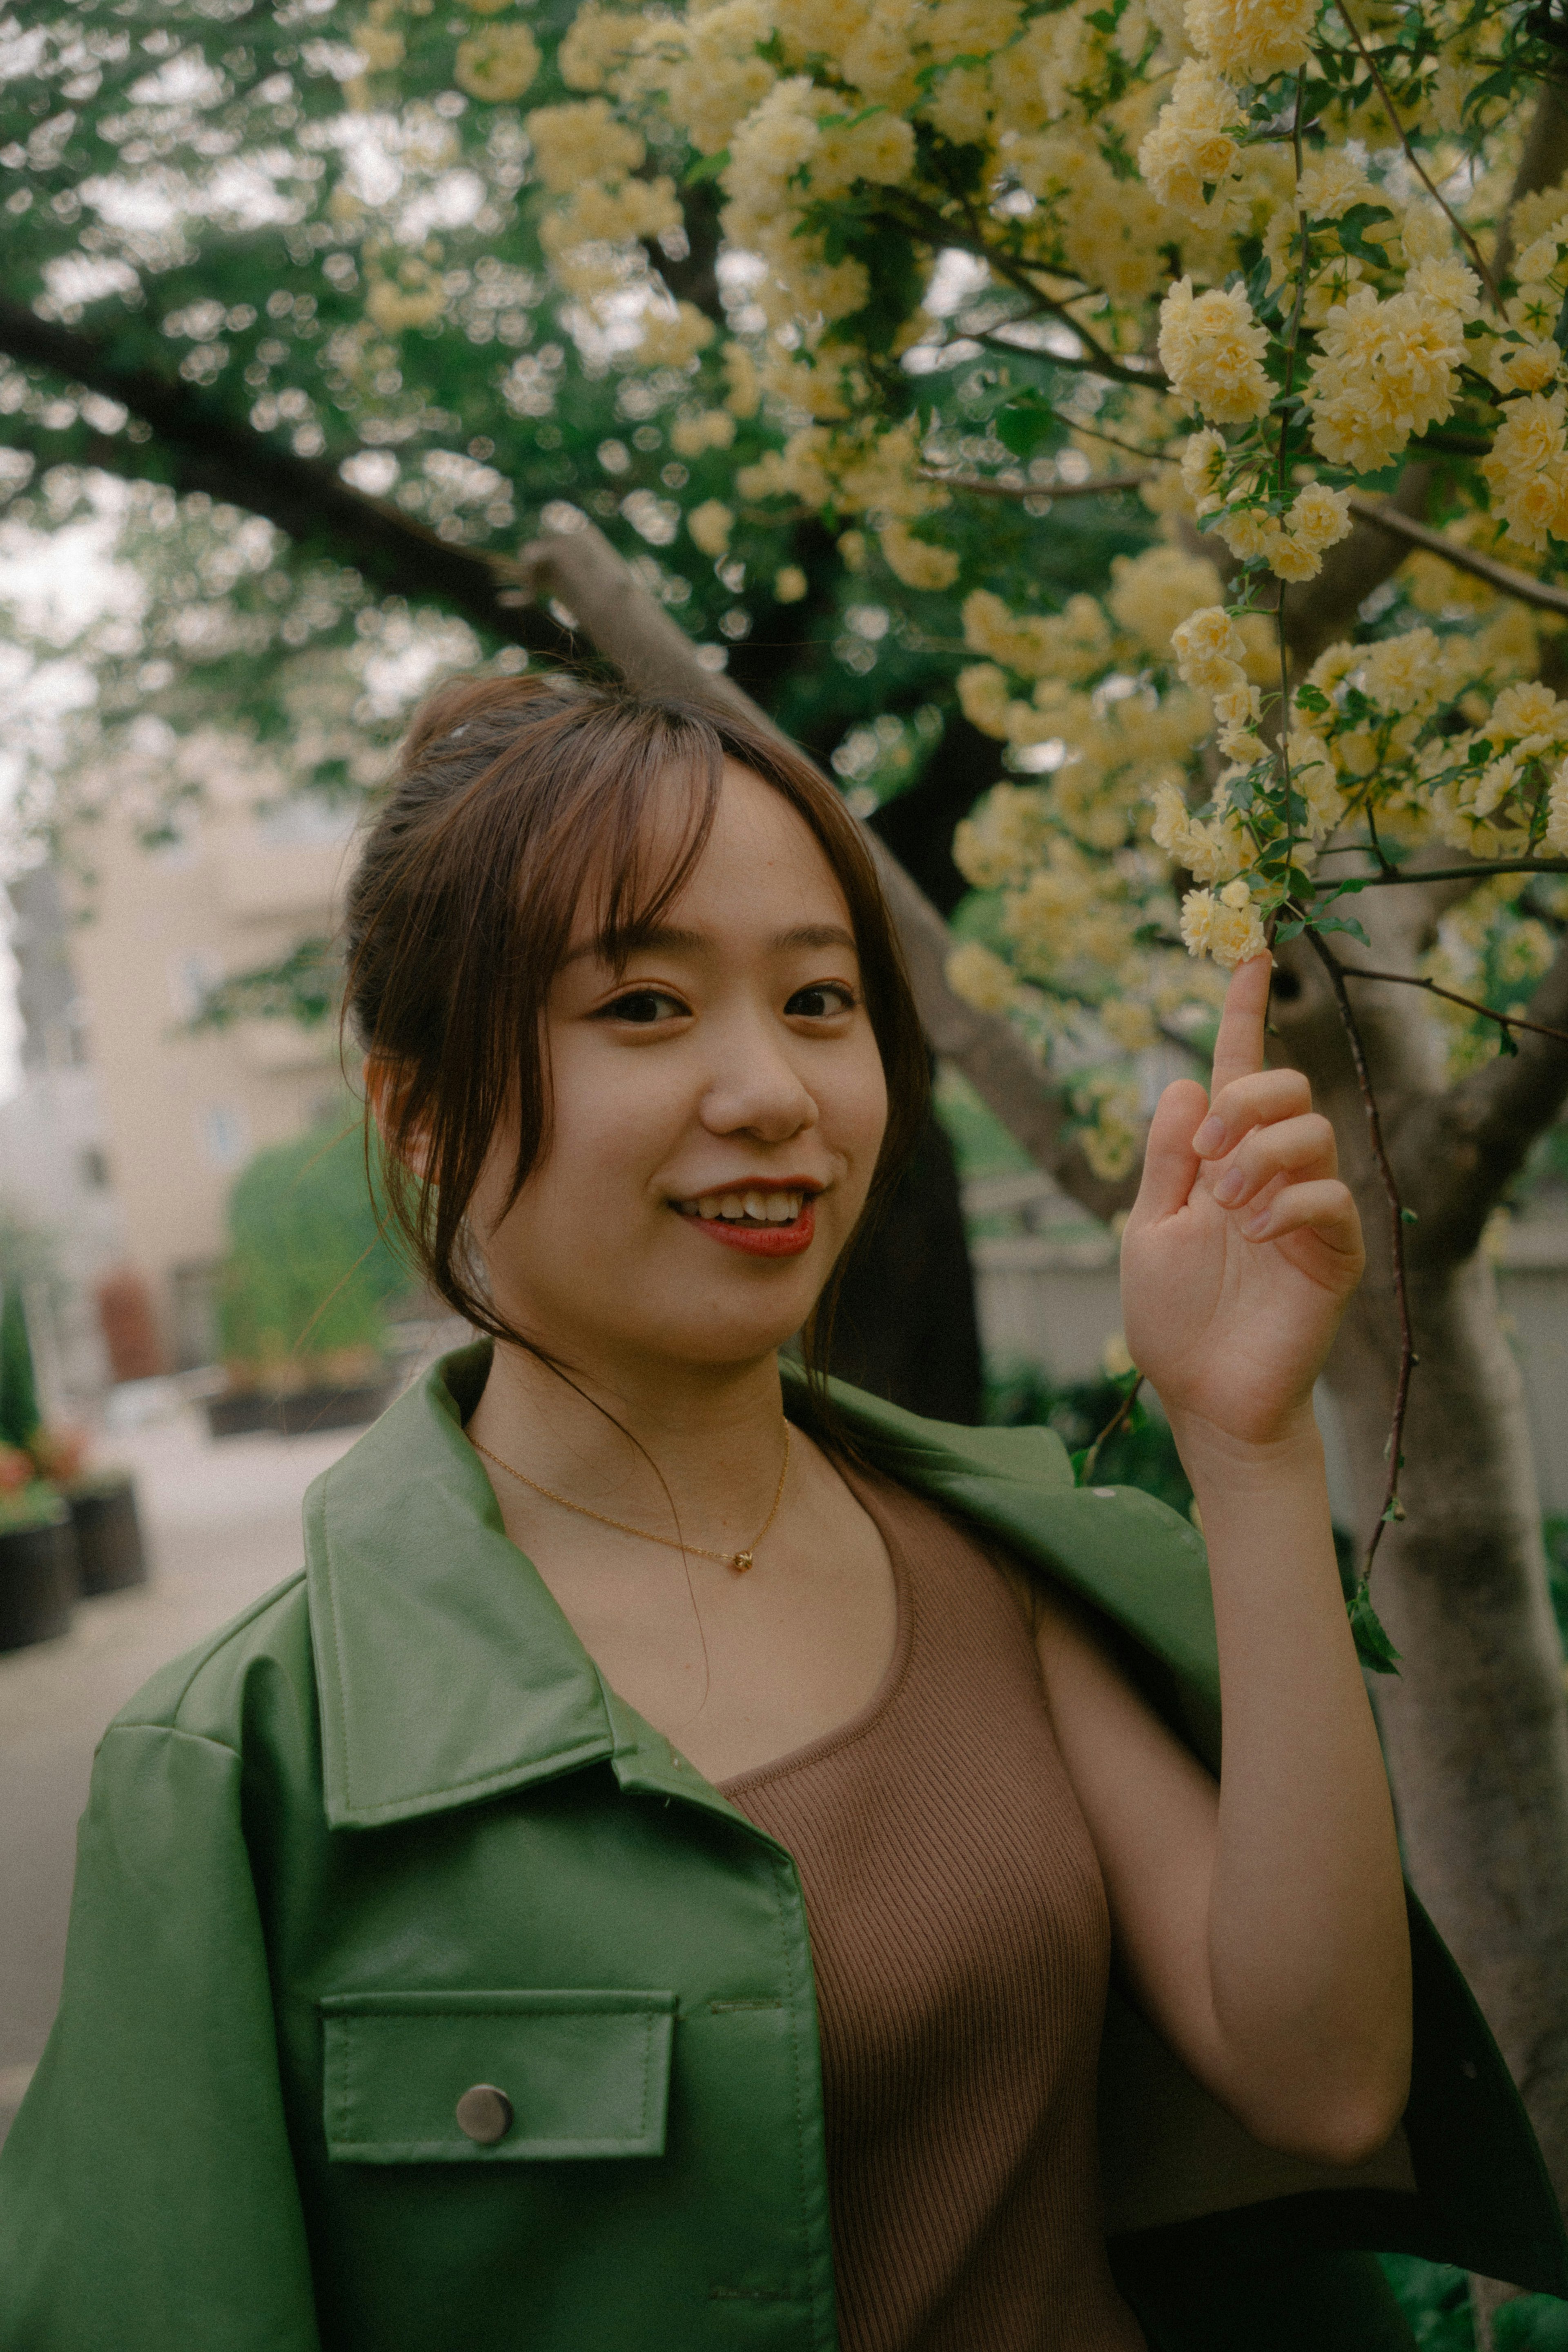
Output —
<point x="110" y="1550"/>
<point x="241" y="1412"/>
<point x="37" y="1582"/>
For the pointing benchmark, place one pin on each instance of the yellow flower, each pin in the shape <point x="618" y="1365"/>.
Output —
<point x="1319" y="517"/>
<point x="915" y="561"/>
<point x="1527" y="468"/>
<point x="580" y="141"/>
<point x="1133" y="1028"/>
<point x="984" y="700"/>
<point x="1384" y="371"/>
<point x="1251" y="40"/>
<point x="1211" y="348"/>
<point x="1226" y="928"/>
<point x="1202" y="463"/>
<point x="1208" y="650"/>
<point x="710" y="526"/>
<point x="693" y="436"/>
<point x="980" y="978"/>
<point x="673" y="339"/>
<point x="789" y="585"/>
<point x="381" y="47"/>
<point x="1155" y="592"/>
<point x="1557" y="814"/>
<point x="498" y="64"/>
<point x="1190" y="152"/>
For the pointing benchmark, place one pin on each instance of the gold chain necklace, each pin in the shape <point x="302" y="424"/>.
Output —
<point x="738" y="1561"/>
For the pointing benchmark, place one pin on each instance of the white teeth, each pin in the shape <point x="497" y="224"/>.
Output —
<point x="762" y="1208"/>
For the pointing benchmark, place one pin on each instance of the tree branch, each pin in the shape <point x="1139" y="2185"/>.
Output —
<point x="1451" y="997"/>
<point x="1370" y="62"/>
<point x="1321" y="609"/>
<point x="204" y="449"/>
<point x="653" y="653"/>
<point x="1502" y="576"/>
<point x="1034" y="489"/>
<point x="1475" y="1136"/>
<point x="1541" y="163"/>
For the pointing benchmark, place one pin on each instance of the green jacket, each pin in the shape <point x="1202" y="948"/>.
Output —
<point x="389" y="1835"/>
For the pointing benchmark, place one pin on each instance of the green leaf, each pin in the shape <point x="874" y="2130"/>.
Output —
<point x="1373" y="1646"/>
<point x="1506" y="1042"/>
<point x="708" y="167"/>
<point x="1312" y="697"/>
<point x="1409" y="1217"/>
<point x="1341" y="923"/>
<point x="1352" y="227"/>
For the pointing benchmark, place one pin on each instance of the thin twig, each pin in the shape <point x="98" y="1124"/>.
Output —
<point x="1391" y="1506"/>
<point x="1415" y="980"/>
<point x="1477" y="256"/>
<point x="1034" y="489"/>
<point x="1520" y="584"/>
<point x="939" y="232"/>
<point x="1480" y="870"/>
<point x="1086" y="1468"/>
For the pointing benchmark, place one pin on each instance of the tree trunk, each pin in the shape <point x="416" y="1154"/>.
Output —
<point x="1475" y="1725"/>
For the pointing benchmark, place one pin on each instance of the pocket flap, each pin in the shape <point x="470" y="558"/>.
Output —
<point x="584" y="2073"/>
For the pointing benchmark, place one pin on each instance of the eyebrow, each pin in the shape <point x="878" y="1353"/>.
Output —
<point x="669" y="939"/>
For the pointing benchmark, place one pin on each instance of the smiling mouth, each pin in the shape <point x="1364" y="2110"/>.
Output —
<point x="755" y="1205"/>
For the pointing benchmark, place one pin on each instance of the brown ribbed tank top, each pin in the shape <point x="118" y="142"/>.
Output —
<point x="961" y="1942"/>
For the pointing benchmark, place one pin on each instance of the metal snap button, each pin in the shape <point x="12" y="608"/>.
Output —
<point x="485" y="2114"/>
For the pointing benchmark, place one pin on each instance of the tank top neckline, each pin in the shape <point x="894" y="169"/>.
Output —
<point x="867" y="1717"/>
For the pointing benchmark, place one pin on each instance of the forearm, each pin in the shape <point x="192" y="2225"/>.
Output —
<point x="1305" y="1934"/>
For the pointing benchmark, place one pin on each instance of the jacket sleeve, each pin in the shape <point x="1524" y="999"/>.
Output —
<point x="148" y="2200"/>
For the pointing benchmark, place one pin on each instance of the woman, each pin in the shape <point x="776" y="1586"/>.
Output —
<point x="440" y="1964"/>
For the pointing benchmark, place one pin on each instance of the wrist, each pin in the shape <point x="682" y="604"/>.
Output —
<point x="1290" y="1453"/>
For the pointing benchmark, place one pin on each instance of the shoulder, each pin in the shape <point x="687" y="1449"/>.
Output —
<point x="208" y="1692"/>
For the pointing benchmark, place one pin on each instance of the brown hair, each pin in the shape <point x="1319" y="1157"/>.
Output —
<point x="511" y="796"/>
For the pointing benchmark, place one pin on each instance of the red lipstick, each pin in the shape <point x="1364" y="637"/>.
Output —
<point x="763" y="1240"/>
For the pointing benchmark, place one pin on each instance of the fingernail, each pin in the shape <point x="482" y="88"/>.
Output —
<point x="1256" y="1225"/>
<point x="1231" y="1187"/>
<point x="1209" y="1138"/>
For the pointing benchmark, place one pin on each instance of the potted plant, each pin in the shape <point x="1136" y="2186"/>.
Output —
<point x="38" y="1543"/>
<point x="111" y="1553"/>
<point x="37" y="1555"/>
<point x="302" y="1302"/>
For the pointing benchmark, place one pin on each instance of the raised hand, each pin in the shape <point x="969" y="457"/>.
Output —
<point x="1243" y="1245"/>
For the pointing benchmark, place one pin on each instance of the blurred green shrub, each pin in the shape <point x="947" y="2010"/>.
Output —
<point x="309" y="1279"/>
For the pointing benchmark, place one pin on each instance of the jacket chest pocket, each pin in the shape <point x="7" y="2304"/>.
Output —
<point x="496" y="2077"/>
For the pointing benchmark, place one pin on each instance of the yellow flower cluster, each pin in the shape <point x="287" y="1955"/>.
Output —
<point x="1526" y="470"/>
<point x="1211" y="348"/>
<point x="710" y="526"/>
<point x="497" y="64"/>
<point x="1251" y="40"/>
<point x="1189" y="155"/>
<point x="1226" y="926"/>
<point x="1293" y="546"/>
<point x="1386" y="369"/>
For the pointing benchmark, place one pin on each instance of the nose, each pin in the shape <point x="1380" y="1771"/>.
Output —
<point x="755" y="1088"/>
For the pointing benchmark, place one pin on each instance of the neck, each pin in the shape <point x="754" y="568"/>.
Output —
<point x="614" y="1443"/>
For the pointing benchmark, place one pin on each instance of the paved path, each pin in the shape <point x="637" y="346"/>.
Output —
<point x="222" y="1523"/>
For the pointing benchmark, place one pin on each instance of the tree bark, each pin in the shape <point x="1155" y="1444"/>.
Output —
<point x="1475" y="1725"/>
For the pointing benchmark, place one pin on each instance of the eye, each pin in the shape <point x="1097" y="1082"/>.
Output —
<point x="642" y="1007"/>
<point x="821" y="1001"/>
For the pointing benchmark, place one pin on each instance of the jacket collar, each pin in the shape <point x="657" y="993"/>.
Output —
<point x="447" y="1673"/>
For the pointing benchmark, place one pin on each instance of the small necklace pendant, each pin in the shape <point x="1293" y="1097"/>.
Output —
<point x="741" y="1562"/>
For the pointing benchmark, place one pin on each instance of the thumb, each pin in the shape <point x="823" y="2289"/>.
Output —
<point x="1170" y="1164"/>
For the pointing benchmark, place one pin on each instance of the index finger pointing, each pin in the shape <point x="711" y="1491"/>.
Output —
<point x="1238" y="1047"/>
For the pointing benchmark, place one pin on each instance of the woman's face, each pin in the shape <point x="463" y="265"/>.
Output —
<point x="718" y="1106"/>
